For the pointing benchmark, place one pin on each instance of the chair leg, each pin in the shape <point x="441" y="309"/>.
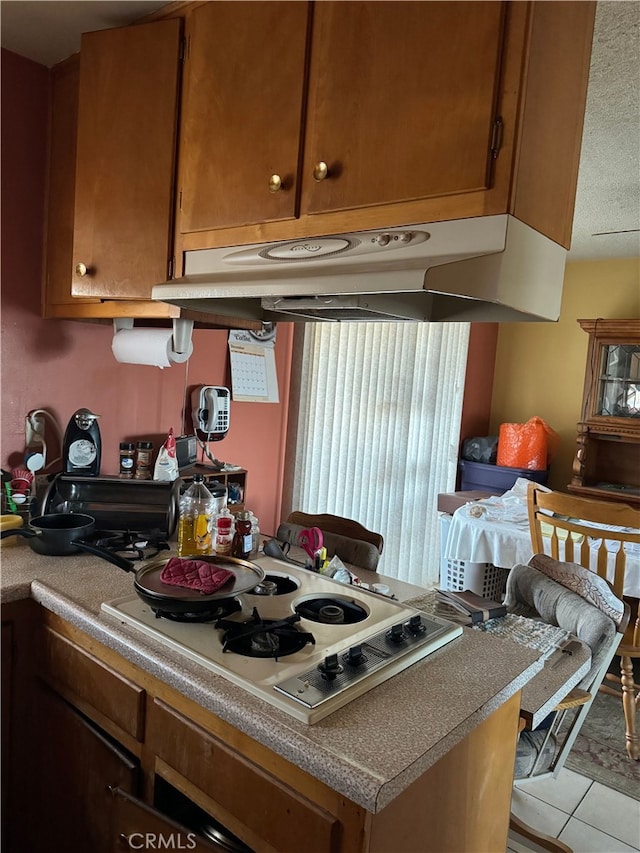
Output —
<point x="537" y="840"/>
<point x="629" y="705"/>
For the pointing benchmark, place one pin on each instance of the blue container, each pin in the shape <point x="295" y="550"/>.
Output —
<point x="495" y="479"/>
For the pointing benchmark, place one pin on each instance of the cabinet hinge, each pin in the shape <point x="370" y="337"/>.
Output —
<point x="172" y="267"/>
<point x="180" y="200"/>
<point x="184" y="49"/>
<point x="496" y="137"/>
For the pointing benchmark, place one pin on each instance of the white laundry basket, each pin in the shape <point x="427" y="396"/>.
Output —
<point x="484" y="579"/>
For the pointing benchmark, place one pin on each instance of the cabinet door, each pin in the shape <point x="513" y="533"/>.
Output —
<point x="125" y="159"/>
<point x="241" y="113"/>
<point x="74" y="766"/>
<point x="245" y="798"/>
<point x="5" y="755"/>
<point x="401" y="101"/>
<point x="139" y="827"/>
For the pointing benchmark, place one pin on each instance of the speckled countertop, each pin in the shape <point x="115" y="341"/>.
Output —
<point x="369" y="751"/>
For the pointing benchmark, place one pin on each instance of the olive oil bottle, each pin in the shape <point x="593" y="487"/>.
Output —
<point x="195" y="524"/>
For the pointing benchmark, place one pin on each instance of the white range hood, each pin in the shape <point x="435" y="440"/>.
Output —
<point x="490" y="268"/>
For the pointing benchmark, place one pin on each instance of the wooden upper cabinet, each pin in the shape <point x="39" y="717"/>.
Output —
<point x="396" y="112"/>
<point x="125" y="159"/>
<point x="402" y="101"/>
<point x="241" y="115"/>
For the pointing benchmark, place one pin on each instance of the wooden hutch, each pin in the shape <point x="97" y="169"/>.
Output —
<point x="607" y="460"/>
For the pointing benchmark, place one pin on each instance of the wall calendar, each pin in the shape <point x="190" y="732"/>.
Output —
<point x="253" y="367"/>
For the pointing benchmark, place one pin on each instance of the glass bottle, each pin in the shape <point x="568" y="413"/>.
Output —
<point x="255" y="535"/>
<point x="223" y="532"/>
<point x="127" y="460"/>
<point x="242" y="538"/>
<point x="144" y="450"/>
<point x="197" y="508"/>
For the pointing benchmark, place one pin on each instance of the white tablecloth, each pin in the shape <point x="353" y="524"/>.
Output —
<point x="500" y="536"/>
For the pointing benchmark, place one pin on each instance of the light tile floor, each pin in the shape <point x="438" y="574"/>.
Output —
<point x="586" y="815"/>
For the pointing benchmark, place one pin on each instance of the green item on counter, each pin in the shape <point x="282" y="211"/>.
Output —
<point x="10" y="501"/>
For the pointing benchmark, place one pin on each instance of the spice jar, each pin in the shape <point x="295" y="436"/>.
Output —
<point x="127" y="460"/>
<point x="144" y="451"/>
<point x="242" y="539"/>
<point x="223" y="532"/>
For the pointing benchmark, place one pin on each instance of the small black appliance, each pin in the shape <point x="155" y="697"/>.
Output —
<point x="82" y="446"/>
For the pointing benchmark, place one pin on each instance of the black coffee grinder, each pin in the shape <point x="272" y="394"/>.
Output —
<point x="82" y="446"/>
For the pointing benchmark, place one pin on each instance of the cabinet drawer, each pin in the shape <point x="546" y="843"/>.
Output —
<point x="86" y="681"/>
<point x="269" y="809"/>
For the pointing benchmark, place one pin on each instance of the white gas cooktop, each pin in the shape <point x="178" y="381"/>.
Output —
<point x="367" y="639"/>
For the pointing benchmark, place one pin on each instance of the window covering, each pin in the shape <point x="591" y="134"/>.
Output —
<point x="378" y="431"/>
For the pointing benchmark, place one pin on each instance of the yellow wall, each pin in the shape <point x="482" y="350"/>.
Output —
<point x="540" y="366"/>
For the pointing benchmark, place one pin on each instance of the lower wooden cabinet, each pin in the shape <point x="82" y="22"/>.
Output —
<point x="233" y="789"/>
<point x="75" y="767"/>
<point x="6" y="674"/>
<point x="112" y="701"/>
<point x="106" y="758"/>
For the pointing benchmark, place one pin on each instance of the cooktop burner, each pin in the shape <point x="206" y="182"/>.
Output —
<point x="336" y="610"/>
<point x="275" y="585"/>
<point x="263" y="638"/>
<point x="218" y="609"/>
<point x="309" y="649"/>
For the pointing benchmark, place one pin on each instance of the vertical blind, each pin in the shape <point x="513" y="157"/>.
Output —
<point x="378" y="432"/>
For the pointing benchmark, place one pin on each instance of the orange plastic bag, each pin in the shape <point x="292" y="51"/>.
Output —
<point x="531" y="445"/>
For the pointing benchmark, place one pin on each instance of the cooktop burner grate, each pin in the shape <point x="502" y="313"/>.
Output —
<point x="264" y="638"/>
<point x="132" y="544"/>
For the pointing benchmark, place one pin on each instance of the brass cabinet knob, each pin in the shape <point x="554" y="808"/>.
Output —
<point x="275" y="183"/>
<point x="82" y="269"/>
<point x="320" y="171"/>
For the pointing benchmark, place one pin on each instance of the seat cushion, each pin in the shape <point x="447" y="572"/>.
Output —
<point x="585" y="583"/>
<point x="529" y="746"/>
<point x="532" y="594"/>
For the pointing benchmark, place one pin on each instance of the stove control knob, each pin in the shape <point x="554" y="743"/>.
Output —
<point x="396" y="634"/>
<point x="354" y="656"/>
<point x="415" y="625"/>
<point x="330" y="668"/>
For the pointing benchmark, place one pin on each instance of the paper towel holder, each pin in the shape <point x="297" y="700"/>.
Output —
<point x="182" y="330"/>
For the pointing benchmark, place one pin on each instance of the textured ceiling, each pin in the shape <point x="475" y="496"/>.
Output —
<point x="608" y="197"/>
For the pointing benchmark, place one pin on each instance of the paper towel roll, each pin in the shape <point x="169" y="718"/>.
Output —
<point x="147" y="346"/>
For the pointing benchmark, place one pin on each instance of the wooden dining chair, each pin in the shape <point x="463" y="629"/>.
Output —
<point x="338" y="525"/>
<point x="571" y="597"/>
<point x="571" y="528"/>
<point x="343" y="537"/>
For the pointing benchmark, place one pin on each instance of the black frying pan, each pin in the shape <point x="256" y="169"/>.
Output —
<point x="175" y="599"/>
<point x="60" y="534"/>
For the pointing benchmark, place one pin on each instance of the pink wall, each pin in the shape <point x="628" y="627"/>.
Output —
<point x="61" y="365"/>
